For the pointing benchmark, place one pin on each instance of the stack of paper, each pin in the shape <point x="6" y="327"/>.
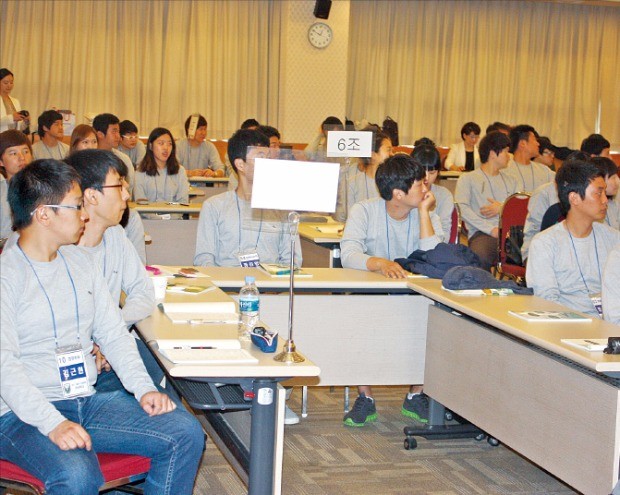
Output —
<point x="201" y="312"/>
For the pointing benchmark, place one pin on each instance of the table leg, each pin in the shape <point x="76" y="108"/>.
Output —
<point x="262" y="437"/>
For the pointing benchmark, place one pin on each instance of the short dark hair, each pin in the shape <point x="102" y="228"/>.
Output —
<point x="241" y="140"/>
<point x="470" y="127"/>
<point x="424" y="140"/>
<point x="398" y="172"/>
<point x="594" y="144"/>
<point x="332" y="123"/>
<point x="127" y="127"/>
<point x="5" y="72"/>
<point x="202" y="122"/>
<point x="269" y="131"/>
<point x="520" y="133"/>
<point x="40" y="183"/>
<point x="247" y="123"/>
<point x="606" y="165"/>
<point x="47" y="119"/>
<point x="498" y="126"/>
<point x="11" y="138"/>
<point x="377" y="141"/>
<point x="574" y="176"/>
<point x="427" y="156"/>
<point x="104" y="120"/>
<point x="148" y="164"/>
<point x="93" y="167"/>
<point x="544" y="143"/>
<point x="493" y="141"/>
<point x="577" y="156"/>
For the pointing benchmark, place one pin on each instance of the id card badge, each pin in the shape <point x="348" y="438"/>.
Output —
<point x="597" y="302"/>
<point x="249" y="259"/>
<point x="72" y="370"/>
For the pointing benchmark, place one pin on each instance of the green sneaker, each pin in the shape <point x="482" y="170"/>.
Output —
<point x="363" y="411"/>
<point x="416" y="407"/>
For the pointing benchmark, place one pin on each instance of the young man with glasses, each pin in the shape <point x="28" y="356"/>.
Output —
<point x="54" y="306"/>
<point x="109" y="137"/>
<point x="130" y="142"/>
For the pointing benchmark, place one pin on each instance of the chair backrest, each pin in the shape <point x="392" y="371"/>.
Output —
<point x="513" y="213"/>
<point x="117" y="469"/>
<point x="455" y="229"/>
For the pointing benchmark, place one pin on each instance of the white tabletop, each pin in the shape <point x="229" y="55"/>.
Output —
<point x="162" y="207"/>
<point x="547" y="335"/>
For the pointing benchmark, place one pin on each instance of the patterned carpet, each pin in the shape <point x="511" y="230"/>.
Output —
<point x="323" y="457"/>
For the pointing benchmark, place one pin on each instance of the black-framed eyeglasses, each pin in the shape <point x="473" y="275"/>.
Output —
<point x="112" y="186"/>
<point x="67" y="207"/>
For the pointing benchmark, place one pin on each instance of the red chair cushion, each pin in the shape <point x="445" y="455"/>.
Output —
<point x="113" y="467"/>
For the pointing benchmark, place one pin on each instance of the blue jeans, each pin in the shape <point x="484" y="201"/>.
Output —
<point x="117" y="424"/>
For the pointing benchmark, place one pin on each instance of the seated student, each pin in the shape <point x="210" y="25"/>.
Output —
<point x="464" y="156"/>
<point x="15" y="154"/>
<point x="159" y="176"/>
<point x="429" y="158"/>
<point x="51" y="132"/>
<point x="55" y="306"/>
<point x="609" y="169"/>
<point x="318" y="147"/>
<point x="481" y="194"/>
<point x="102" y="178"/>
<point x="198" y="156"/>
<point x="230" y="232"/>
<point x="611" y="287"/>
<point x="134" y="230"/>
<point x="380" y="230"/>
<point x="566" y="261"/>
<point x="524" y="147"/>
<point x="498" y="126"/>
<point x="130" y="142"/>
<point x="83" y="137"/>
<point x="250" y="124"/>
<point x="108" y="131"/>
<point x="546" y="153"/>
<point x="596" y="145"/>
<point x="360" y="183"/>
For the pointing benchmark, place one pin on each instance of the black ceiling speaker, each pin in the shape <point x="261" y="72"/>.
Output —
<point x="322" y="8"/>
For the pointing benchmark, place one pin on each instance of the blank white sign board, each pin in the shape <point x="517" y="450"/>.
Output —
<point x="295" y="186"/>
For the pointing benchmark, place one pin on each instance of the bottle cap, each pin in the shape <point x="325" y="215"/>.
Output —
<point x="249" y="279"/>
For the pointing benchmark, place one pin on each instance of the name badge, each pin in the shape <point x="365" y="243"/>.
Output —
<point x="72" y="371"/>
<point x="249" y="259"/>
<point x="597" y="302"/>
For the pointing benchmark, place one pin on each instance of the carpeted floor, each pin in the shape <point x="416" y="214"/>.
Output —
<point x="323" y="457"/>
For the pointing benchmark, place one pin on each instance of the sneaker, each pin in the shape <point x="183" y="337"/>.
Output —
<point x="290" y="417"/>
<point x="363" y="411"/>
<point x="416" y="407"/>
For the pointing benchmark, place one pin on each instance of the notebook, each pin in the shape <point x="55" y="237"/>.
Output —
<point x="209" y="356"/>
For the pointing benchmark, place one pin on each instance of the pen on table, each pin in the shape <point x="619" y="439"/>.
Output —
<point x="591" y="342"/>
<point x="194" y="347"/>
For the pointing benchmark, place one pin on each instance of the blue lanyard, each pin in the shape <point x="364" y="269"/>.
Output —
<point x="105" y="250"/>
<point x="523" y="178"/>
<point x="491" y="185"/>
<point x="598" y="264"/>
<point x="387" y="233"/>
<point x="260" y="227"/>
<point x="77" y="312"/>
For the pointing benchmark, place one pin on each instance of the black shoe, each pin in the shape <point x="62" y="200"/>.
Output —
<point x="363" y="411"/>
<point x="416" y="407"/>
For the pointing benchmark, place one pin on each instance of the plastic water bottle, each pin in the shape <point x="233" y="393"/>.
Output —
<point x="249" y="307"/>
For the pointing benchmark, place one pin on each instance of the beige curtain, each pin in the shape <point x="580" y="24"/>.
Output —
<point x="434" y="65"/>
<point x="153" y="62"/>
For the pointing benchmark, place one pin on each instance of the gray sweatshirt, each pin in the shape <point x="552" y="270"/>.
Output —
<point x="199" y="157"/>
<point x="162" y="187"/>
<point x="370" y="231"/>
<point x="529" y="177"/>
<point x="544" y="196"/>
<point x="28" y="371"/>
<point x="565" y="274"/>
<point x="611" y="287"/>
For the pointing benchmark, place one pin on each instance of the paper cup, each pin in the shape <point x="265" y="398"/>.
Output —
<point x="159" y="285"/>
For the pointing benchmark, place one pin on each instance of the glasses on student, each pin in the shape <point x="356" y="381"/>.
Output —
<point x="66" y="207"/>
<point x="548" y="153"/>
<point x="112" y="186"/>
<point x="130" y="136"/>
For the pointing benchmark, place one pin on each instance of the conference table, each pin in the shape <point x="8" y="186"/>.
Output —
<point x="221" y="387"/>
<point x="320" y="241"/>
<point x="557" y="405"/>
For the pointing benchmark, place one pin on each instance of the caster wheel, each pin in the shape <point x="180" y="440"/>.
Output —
<point x="448" y="416"/>
<point x="494" y="442"/>
<point x="410" y="443"/>
<point x="480" y="437"/>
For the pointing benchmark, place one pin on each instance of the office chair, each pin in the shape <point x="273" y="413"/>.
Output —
<point x="513" y="214"/>
<point x="119" y="470"/>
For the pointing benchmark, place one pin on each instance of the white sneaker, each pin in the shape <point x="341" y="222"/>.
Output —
<point x="290" y="417"/>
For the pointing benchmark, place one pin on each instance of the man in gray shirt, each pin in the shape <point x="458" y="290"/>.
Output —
<point x="566" y="261"/>
<point x="109" y="137"/>
<point x="380" y="230"/>
<point x="524" y="147"/>
<point x="54" y="306"/>
<point x="611" y="287"/>
<point x="51" y="132"/>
